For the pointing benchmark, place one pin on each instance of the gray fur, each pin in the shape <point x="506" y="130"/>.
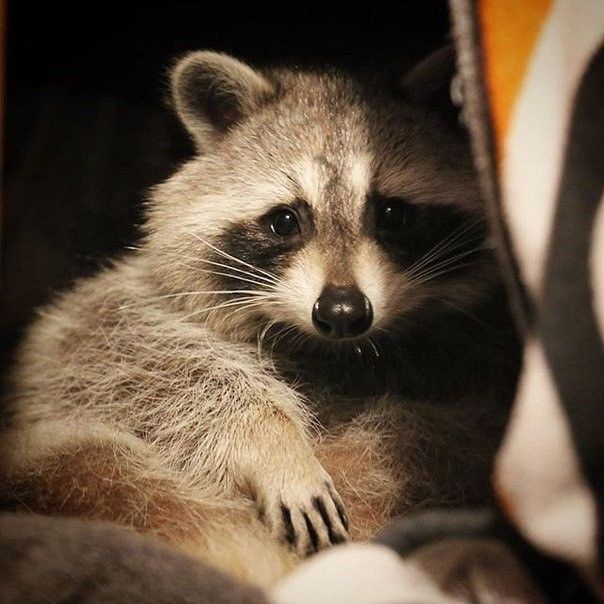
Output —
<point x="46" y="560"/>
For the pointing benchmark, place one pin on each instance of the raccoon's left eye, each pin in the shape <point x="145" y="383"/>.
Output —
<point x="392" y="215"/>
<point x="284" y="223"/>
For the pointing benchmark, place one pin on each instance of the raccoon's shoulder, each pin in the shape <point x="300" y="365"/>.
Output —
<point x="86" y="304"/>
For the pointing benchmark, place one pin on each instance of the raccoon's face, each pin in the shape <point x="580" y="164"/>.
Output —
<point x="318" y="205"/>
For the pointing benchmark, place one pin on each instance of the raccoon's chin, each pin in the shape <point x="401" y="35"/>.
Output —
<point x="292" y="338"/>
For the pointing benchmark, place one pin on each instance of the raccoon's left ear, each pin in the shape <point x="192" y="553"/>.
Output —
<point x="432" y="83"/>
<point x="212" y="92"/>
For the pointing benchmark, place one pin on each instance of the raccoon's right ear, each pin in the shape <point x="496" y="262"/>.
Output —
<point x="212" y="92"/>
<point x="431" y="83"/>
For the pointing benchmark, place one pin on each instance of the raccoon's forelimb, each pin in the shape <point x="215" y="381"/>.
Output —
<point x="98" y="473"/>
<point x="211" y="408"/>
<point x="296" y="496"/>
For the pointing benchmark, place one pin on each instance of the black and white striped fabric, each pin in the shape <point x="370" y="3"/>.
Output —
<point x="542" y="161"/>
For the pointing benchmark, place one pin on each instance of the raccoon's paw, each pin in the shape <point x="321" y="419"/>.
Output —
<point x="308" y="514"/>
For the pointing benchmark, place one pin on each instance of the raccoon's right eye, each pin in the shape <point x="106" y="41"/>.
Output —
<point x="392" y="215"/>
<point x="284" y="223"/>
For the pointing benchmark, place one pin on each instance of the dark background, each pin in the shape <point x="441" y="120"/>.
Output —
<point x="88" y="124"/>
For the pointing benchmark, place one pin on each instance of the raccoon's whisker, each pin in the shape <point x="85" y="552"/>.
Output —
<point x="432" y="276"/>
<point x="444" y="245"/>
<point x="258" y="279"/>
<point x="262" y="335"/>
<point x="451" y="260"/>
<point x="241" y="307"/>
<point x="454" y="236"/>
<point x="187" y="266"/>
<point x="237" y="277"/>
<point x="465" y="312"/>
<point x="281" y="334"/>
<point x="228" y="304"/>
<point x="230" y="257"/>
<point x="405" y="319"/>
<point x="299" y="339"/>
<point x="375" y="350"/>
<point x="266" y="285"/>
<point x="435" y="275"/>
<point x="441" y="254"/>
<point x="230" y="267"/>
<point x="214" y="292"/>
<point x="246" y="307"/>
<point x="419" y="277"/>
<point x="252" y="304"/>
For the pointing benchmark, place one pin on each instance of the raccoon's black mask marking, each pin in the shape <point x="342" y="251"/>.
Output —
<point x="411" y="233"/>
<point x="432" y="240"/>
<point x="252" y="244"/>
<point x="255" y="243"/>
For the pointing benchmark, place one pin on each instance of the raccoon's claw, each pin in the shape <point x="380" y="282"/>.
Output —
<point x="309" y="522"/>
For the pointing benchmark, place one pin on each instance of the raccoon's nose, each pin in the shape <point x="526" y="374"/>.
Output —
<point x="342" y="312"/>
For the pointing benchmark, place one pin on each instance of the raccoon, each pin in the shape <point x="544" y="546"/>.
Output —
<point x="310" y="338"/>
